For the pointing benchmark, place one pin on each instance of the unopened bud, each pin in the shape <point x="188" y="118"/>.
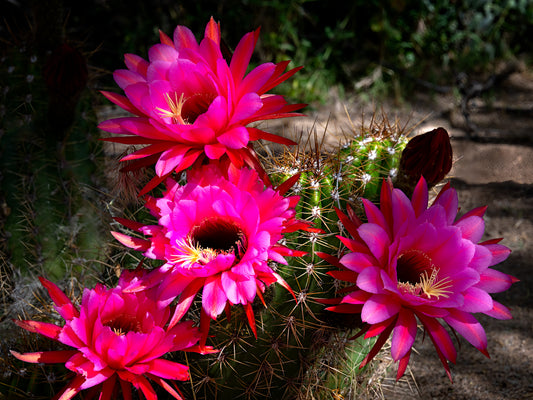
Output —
<point x="429" y="155"/>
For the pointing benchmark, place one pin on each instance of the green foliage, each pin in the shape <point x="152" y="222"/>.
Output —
<point x="474" y="33"/>
<point x="338" y="42"/>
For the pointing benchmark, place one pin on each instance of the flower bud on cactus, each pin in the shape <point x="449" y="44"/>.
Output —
<point x="428" y="155"/>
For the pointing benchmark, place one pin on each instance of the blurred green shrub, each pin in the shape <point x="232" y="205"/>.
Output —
<point x="338" y="42"/>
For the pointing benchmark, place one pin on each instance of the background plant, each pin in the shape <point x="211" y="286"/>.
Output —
<point x="340" y="43"/>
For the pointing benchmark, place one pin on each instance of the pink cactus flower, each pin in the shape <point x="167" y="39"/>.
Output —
<point x="115" y="336"/>
<point x="217" y="234"/>
<point x="412" y="262"/>
<point x="189" y="103"/>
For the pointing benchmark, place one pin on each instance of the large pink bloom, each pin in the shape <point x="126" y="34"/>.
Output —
<point x="116" y="336"/>
<point x="216" y="233"/>
<point x="411" y="261"/>
<point x="189" y="102"/>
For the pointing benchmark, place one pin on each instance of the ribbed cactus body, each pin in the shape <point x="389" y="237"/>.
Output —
<point x="300" y="353"/>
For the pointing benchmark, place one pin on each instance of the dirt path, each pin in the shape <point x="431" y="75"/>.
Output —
<point x="497" y="171"/>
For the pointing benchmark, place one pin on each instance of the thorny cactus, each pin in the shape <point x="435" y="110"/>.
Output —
<point x="300" y="351"/>
<point x="53" y="226"/>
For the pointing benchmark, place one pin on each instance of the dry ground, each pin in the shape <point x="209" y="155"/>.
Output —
<point x="495" y="170"/>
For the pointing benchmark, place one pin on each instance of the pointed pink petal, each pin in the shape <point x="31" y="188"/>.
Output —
<point x="251" y="317"/>
<point x="499" y="311"/>
<point x="212" y="31"/>
<point x="247" y="106"/>
<point x="376" y="239"/>
<point x="283" y="283"/>
<point x="147" y="151"/>
<point x="278" y="76"/>
<point x="125" y="77"/>
<point x="403" y="365"/>
<point x="358" y="261"/>
<point x="132" y="242"/>
<point x="380" y="342"/>
<point x="165" y="386"/>
<point x="122" y="101"/>
<point x="235" y="138"/>
<point x="154" y="182"/>
<point x="73" y="388"/>
<point x="215" y="151"/>
<point x="499" y="253"/>
<point x="241" y="56"/>
<point x="64" y="306"/>
<point x="369" y="280"/>
<point x="257" y="134"/>
<point x="185" y="300"/>
<point x="402" y="209"/>
<point x="468" y="326"/>
<point x="146" y="388"/>
<point x="136" y="63"/>
<point x="49" y="330"/>
<point x="472" y="228"/>
<point x="330" y="259"/>
<point x="184" y="38"/>
<point x="440" y="337"/>
<point x="379" y="308"/>
<point x="169" y="159"/>
<point x="442" y="358"/>
<point x="133" y="225"/>
<point x="351" y="222"/>
<point x="46" y="357"/>
<point x="476" y="300"/>
<point x="345" y="309"/>
<point x="169" y="369"/>
<point x="420" y="197"/>
<point x="447" y="198"/>
<point x="374" y="215"/>
<point x="213" y="297"/>
<point x="162" y="52"/>
<point x="403" y="335"/>
<point x="256" y="79"/>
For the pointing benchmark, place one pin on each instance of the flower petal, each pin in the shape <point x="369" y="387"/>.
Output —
<point x="379" y="308"/>
<point x="403" y="335"/>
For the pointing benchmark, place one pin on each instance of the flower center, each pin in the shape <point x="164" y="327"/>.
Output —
<point x="184" y="111"/>
<point x="417" y="275"/>
<point x="210" y="238"/>
<point x="123" y="324"/>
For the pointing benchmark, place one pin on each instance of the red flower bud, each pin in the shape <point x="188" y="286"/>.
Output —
<point x="428" y="155"/>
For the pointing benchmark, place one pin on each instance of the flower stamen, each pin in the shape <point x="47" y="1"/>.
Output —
<point x="175" y="108"/>
<point x="431" y="286"/>
<point x="187" y="254"/>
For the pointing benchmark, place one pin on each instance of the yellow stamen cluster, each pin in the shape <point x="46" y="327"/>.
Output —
<point x="118" y="331"/>
<point x="174" y="108"/>
<point x="428" y="285"/>
<point x="432" y="287"/>
<point x="190" y="254"/>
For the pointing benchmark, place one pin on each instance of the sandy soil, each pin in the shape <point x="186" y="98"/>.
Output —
<point x="495" y="170"/>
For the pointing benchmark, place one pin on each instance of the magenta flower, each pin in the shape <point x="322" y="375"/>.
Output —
<point x="216" y="233"/>
<point x="115" y="336"/>
<point x="189" y="103"/>
<point x="412" y="262"/>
